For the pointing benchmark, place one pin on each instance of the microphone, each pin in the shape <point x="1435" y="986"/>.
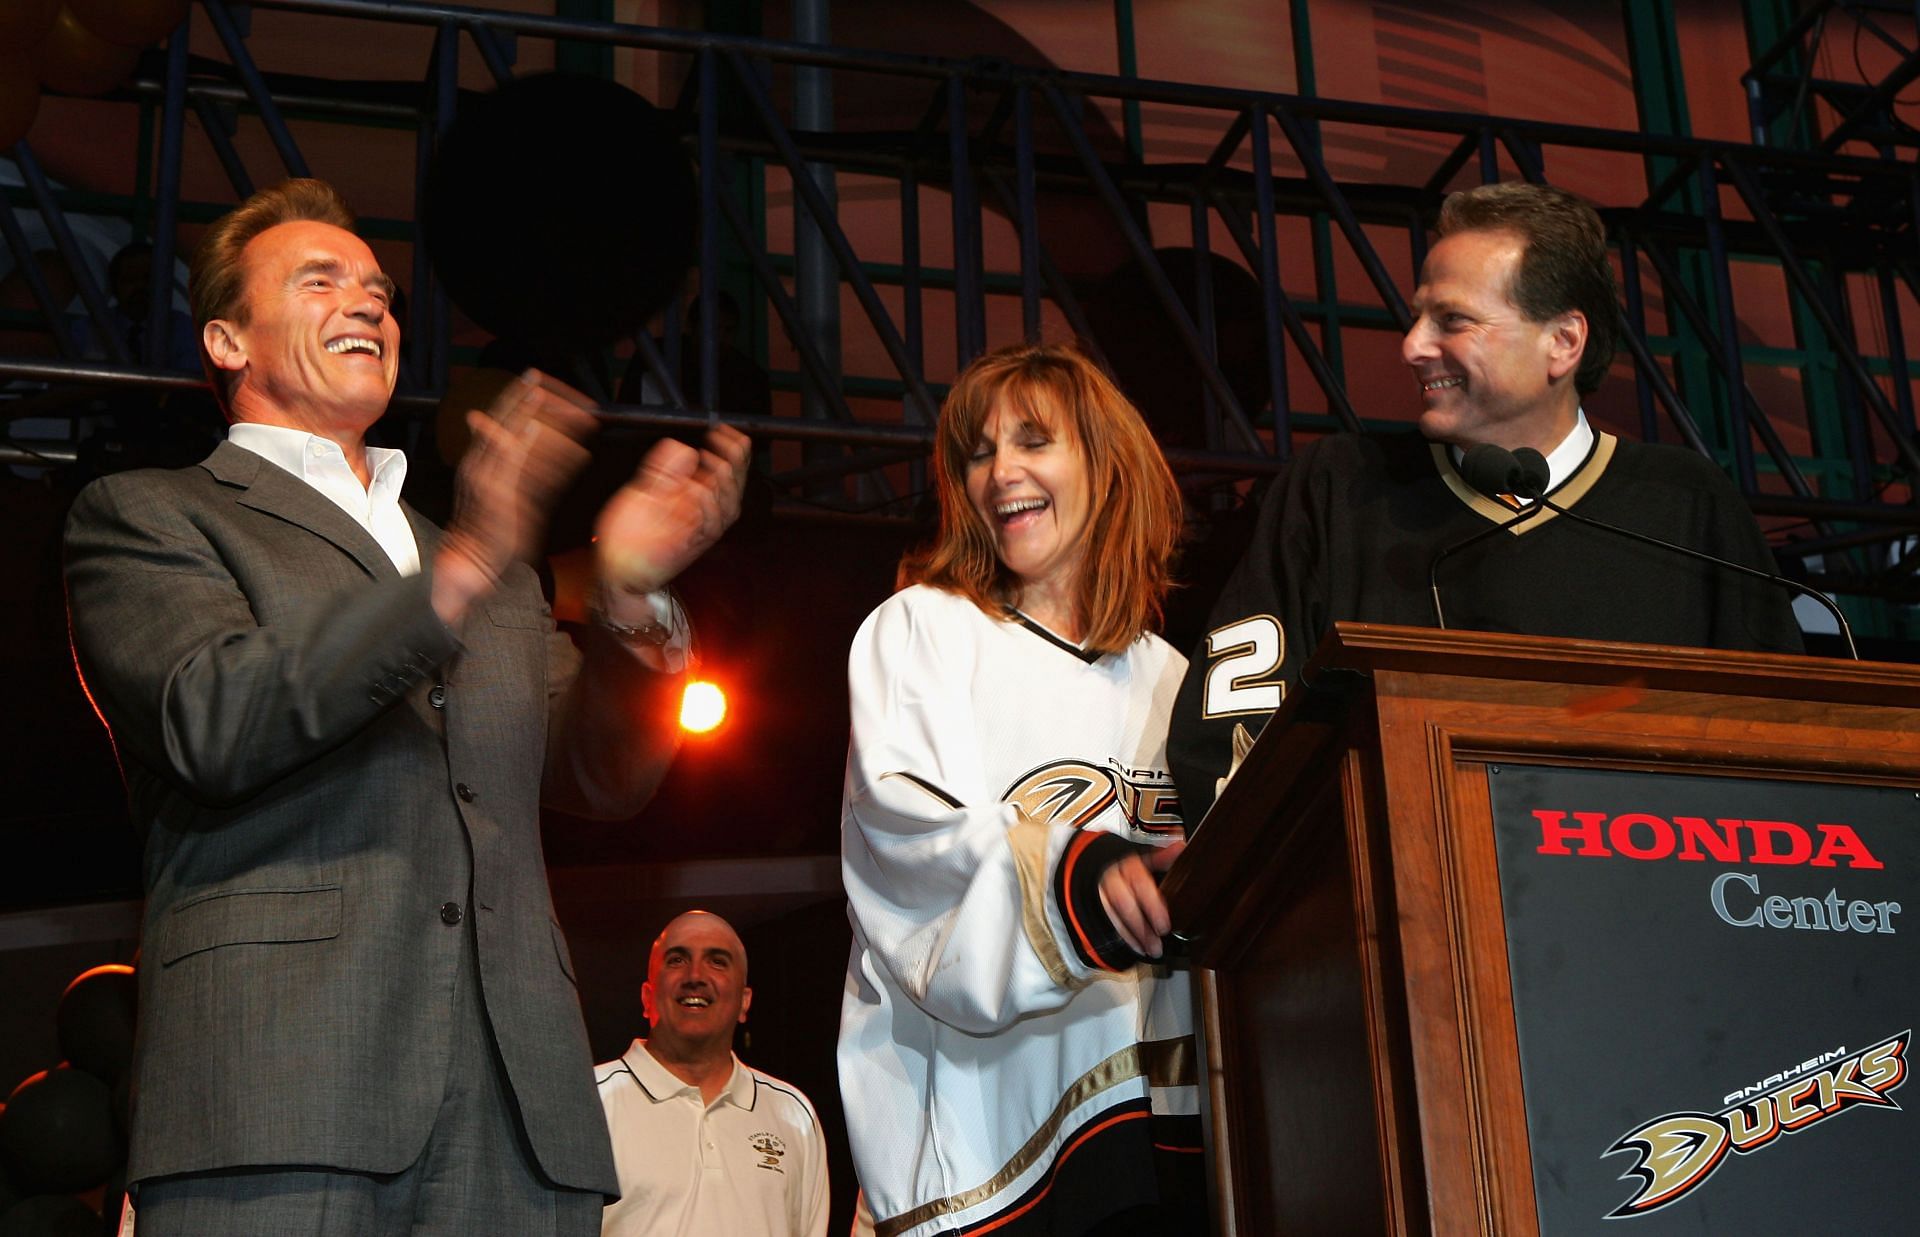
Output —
<point x="1493" y="471"/>
<point x="1524" y="474"/>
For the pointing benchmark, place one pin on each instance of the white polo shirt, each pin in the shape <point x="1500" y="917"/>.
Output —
<point x="750" y="1164"/>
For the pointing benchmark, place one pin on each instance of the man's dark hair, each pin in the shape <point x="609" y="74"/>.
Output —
<point x="1564" y="266"/>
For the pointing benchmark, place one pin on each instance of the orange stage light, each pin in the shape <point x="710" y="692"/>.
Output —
<point x="703" y="706"/>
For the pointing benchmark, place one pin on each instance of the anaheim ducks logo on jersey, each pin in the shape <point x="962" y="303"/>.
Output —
<point x="1073" y="792"/>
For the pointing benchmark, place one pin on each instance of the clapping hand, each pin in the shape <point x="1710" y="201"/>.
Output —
<point x="526" y="449"/>
<point x="676" y="506"/>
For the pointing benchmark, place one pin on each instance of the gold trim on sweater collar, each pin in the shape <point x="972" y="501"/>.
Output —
<point x="1569" y="492"/>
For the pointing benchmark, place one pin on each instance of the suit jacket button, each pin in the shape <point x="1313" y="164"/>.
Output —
<point x="465" y="792"/>
<point x="438" y="696"/>
<point x="450" y="913"/>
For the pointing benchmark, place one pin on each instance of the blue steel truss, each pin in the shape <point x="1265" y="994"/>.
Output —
<point x="1784" y="87"/>
<point x="1817" y="214"/>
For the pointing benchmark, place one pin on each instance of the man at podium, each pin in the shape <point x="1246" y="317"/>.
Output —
<point x="1514" y="322"/>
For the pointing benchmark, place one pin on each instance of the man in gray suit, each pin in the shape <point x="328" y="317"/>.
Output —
<point x="337" y="724"/>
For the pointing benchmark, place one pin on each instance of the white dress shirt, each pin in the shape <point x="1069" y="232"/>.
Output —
<point x="323" y="465"/>
<point x="1564" y="460"/>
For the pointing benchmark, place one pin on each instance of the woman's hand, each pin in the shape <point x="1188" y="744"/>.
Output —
<point x="1130" y="894"/>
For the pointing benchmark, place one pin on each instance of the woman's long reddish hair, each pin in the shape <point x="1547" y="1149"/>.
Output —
<point x="1134" y="521"/>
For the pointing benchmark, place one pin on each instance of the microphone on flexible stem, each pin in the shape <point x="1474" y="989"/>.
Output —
<point x="1493" y="477"/>
<point x="1524" y="474"/>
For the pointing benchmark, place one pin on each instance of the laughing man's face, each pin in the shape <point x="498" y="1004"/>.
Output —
<point x="319" y="348"/>
<point x="696" y="989"/>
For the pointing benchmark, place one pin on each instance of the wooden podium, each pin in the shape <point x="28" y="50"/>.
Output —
<point x="1343" y="901"/>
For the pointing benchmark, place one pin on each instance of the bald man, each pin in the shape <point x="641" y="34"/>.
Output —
<point x="701" y="1142"/>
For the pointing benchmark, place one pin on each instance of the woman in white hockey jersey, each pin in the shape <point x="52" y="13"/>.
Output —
<point x="1011" y="1060"/>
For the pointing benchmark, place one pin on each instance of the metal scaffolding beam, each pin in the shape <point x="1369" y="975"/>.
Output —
<point x="1801" y="210"/>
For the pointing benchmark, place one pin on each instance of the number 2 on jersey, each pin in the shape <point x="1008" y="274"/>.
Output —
<point x="1243" y="653"/>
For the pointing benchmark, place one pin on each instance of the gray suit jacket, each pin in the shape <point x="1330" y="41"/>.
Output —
<point x="320" y="768"/>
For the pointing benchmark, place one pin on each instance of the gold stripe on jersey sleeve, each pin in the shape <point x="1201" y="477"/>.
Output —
<point x="1028" y="838"/>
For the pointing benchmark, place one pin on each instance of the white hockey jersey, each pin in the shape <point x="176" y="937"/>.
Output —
<point x="986" y="1067"/>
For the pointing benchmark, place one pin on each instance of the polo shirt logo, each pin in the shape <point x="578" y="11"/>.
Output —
<point x="770" y="1149"/>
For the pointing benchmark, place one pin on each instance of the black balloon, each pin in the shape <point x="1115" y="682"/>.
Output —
<point x="49" y="1215"/>
<point x="123" y="1104"/>
<point x="57" y="1134"/>
<point x="1157" y="373"/>
<point x="96" y="1021"/>
<point x="113" y="1196"/>
<point x="560" y="211"/>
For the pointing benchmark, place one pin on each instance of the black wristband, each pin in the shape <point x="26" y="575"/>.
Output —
<point x="1076" y="890"/>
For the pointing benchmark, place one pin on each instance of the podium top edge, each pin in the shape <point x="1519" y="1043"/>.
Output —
<point x="1379" y="647"/>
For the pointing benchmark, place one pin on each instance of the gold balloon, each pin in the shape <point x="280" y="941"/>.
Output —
<point x="74" y="60"/>
<point x="19" y="97"/>
<point x="129" y="23"/>
<point x="23" y="23"/>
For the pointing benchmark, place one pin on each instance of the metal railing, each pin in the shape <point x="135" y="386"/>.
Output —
<point x="996" y="137"/>
<point x="1785" y="90"/>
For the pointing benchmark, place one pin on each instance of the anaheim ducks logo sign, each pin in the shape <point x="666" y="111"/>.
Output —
<point x="1073" y="792"/>
<point x="1679" y="1152"/>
